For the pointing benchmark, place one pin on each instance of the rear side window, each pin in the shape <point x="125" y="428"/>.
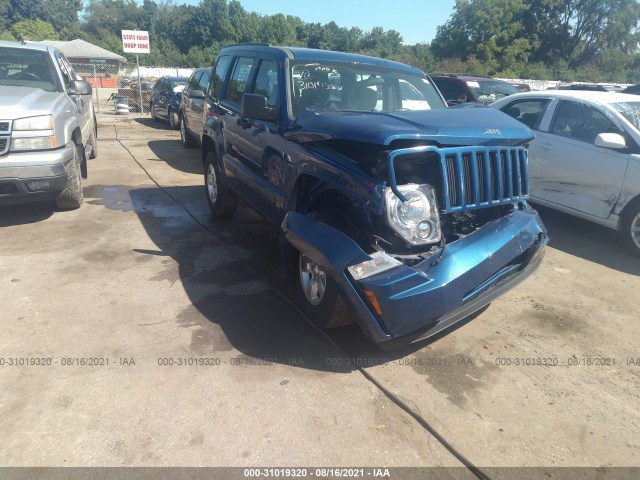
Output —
<point x="219" y="74"/>
<point x="239" y="80"/>
<point x="529" y="112"/>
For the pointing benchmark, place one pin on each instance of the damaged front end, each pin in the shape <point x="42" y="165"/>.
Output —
<point x="453" y="232"/>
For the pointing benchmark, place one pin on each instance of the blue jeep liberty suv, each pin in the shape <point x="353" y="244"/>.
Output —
<point x="393" y="210"/>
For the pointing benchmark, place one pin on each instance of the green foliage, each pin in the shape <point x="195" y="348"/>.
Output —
<point x="565" y="39"/>
<point x="34" y="30"/>
<point x="586" y="40"/>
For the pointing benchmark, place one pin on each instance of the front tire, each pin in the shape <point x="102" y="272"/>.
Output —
<point x="72" y="196"/>
<point x="631" y="228"/>
<point x="320" y="298"/>
<point x="222" y="201"/>
<point x="93" y="141"/>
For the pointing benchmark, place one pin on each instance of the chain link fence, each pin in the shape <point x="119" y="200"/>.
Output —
<point x="115" y="88"/>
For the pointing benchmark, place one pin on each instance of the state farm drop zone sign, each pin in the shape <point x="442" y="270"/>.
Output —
<point x="135" y="41"/>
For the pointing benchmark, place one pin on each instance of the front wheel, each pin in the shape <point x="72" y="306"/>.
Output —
<point x="222" y="201"/>
<point x="72" y="196"/>
<point x="631" y="228"/>
<point x="321" y="301"/>
<point x="93" y="141"/>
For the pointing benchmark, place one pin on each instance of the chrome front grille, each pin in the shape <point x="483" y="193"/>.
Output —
<point x="479" y="177"/>
<point x="5" y="136"/>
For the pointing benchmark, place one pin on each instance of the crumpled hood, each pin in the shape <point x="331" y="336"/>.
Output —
<point x="20" y="102"/>
<point x="469" y="126"/>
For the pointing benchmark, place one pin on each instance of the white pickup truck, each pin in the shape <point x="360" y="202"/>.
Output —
<point x="47" y="126"/>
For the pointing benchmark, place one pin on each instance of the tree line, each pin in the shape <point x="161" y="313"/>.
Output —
<point x="568" y="40"/>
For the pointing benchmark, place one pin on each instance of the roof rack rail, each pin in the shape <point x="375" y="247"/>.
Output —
<point x="251" y="44"/>
<point x="448" y="74"/>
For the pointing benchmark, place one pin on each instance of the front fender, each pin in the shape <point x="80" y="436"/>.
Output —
<point x="331" y="249"/>
<point x="334" y="252"/>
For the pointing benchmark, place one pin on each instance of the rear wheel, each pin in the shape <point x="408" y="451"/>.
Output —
<point x="174" y="121"/>
<point x="222" y="201"/>
<point x="185" y="137"/>
<point x="72" y="196"/>
<point x="631" y="227"/>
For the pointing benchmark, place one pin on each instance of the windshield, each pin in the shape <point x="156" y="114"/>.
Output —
<point x="488" y="91"/>
<point x="630" y="111"/>
<point x="27" y="68"/>
<point x="324" y="86"/>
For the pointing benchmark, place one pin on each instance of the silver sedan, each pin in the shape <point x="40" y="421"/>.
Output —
<point x="585" y="159"/>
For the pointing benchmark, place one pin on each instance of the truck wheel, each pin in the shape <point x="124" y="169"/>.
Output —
<point x="185" y="137"/>
<point x="72" y="197"/>
<point x="631" y="227"/>
<point x="321" y="301"/>
<point x="222" y="201"/>
<point x="174" y="121"/>
<point x="93" y="141"/>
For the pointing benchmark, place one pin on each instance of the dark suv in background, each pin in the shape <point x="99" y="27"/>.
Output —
<point x="391" y="209"/>
<point x="192" y="107"/>
<point x="471" y="88"/>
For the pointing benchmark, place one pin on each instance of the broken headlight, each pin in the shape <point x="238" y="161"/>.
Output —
<point x="415" y="220"/>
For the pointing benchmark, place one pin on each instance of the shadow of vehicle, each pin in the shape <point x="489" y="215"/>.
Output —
<point x="23" y="214"/>
<point x="155" y="124"/>
<point x="231" y="272"/>
<point x="588" y="240"/>
<point x="176" y="156"/>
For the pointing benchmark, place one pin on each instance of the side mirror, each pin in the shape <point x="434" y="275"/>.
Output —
<point x="610" y="140"/>
<point x="79" y="87"/>
<point x="255" y="106"/>
<point x="197" y="94"/>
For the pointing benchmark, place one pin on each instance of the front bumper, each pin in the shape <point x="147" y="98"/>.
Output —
<point x="420" y="301"/>
<point x="18" y="171"/>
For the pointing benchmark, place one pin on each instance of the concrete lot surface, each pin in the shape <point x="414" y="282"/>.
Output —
<point x="137" y="331"/>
